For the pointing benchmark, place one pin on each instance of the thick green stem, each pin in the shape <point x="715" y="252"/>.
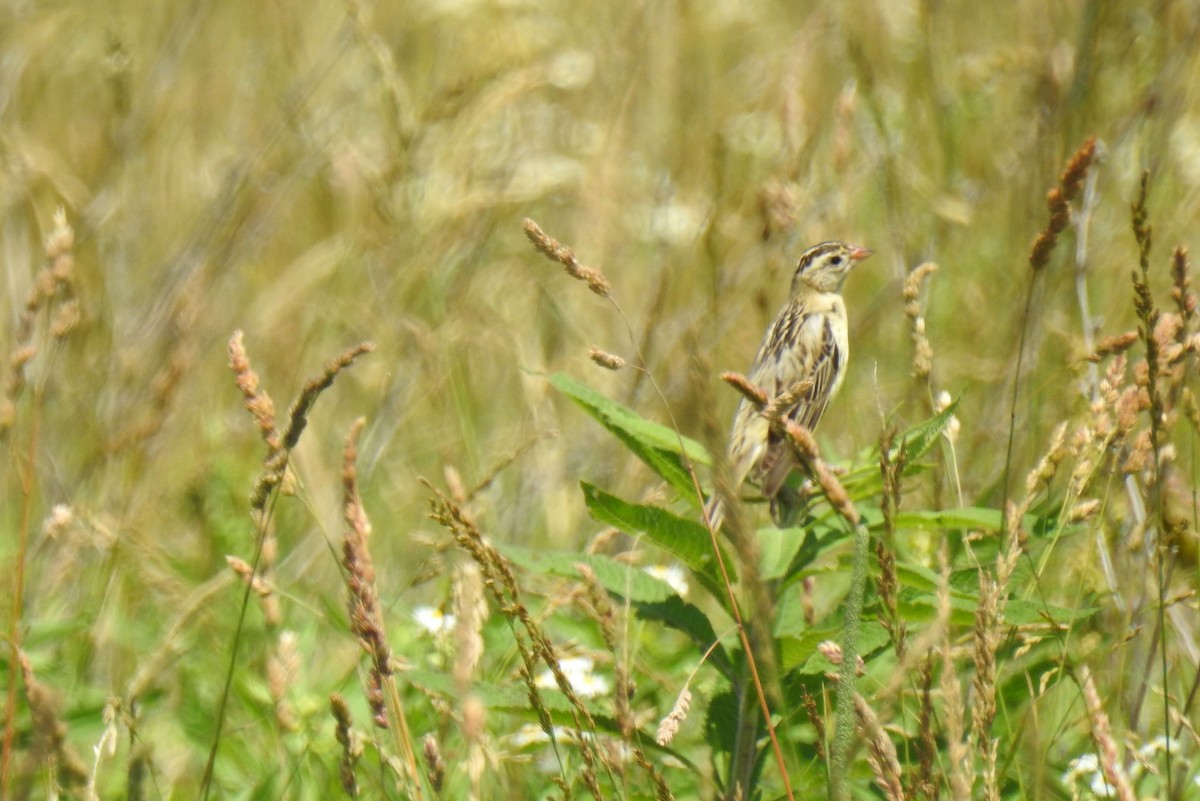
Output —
<point x="843" y="733"/>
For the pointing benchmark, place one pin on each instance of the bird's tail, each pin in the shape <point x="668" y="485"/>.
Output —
<point x="714" y="512"/>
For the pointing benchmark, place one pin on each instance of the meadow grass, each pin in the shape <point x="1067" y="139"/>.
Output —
<point x="438" y="567"/>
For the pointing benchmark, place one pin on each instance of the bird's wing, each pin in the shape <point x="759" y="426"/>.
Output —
<point x="809" y="360"/>
<point x="824" y="370"/>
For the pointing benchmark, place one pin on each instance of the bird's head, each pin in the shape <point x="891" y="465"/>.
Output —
<point x="824" y="267"/>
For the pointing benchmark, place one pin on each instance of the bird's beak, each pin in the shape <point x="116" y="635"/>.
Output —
<point x="858" y="254"/>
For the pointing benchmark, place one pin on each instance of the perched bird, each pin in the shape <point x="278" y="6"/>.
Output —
<point x="803" y="355"/>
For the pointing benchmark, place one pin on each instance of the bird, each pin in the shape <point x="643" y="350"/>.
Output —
<point x="803" y="357"/>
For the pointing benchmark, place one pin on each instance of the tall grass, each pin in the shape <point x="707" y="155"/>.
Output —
<point x="1021" y="448"/>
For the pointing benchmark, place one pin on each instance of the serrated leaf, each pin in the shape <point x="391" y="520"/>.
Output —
<point x="685" y="539"/>
<point x="657" y="445"/>
<point x="920" y="438"/>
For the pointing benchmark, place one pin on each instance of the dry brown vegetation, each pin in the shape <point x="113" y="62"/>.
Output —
<point x="186" y="612"/>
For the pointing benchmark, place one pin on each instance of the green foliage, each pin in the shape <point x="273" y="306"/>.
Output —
<point x="173" y="172"/>
<point x="656" y="445"/>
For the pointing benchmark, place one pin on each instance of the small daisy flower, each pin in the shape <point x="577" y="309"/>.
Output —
<point x="673" y="575"/>
<point x="579" y="672"/>
<point x="434" y="620"/>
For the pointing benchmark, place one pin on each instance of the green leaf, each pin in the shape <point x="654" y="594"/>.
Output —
<point x="658" y="446"/>
<point x="920" y="438"/>
<point x="786" y="552"/>
<point x="1018" y="612"/>
<point x="800" y="652"/>
<point x="687" y="618"/>
<point x="973" y="517"/>
<point x="685" y="539"/>
<point x="778" y="547"/>
<point x="967" y="517"/>
<point x="615" y="577"/>
<point x="865" y="480"/>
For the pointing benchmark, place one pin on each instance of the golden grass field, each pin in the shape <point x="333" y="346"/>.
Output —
<point x="321" y="176"/>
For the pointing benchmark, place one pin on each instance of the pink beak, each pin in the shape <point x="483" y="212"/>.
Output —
<point x="858" y="254"/>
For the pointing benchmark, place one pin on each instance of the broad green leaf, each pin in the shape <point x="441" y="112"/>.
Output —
<point x="619" y="579"/>
<point x="787" y="552"/>
<point x="656" y="445"/>
<point x="801" y="651"/>
<point x="687" y="618"/>
<point x="778" y="547"/>
<point x="686" y="539"/>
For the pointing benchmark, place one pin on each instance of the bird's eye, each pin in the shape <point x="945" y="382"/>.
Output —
<point x="835" y="261"/>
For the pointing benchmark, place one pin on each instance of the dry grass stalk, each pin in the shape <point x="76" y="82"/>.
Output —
<point x="274" y="472"/>
<point x="669" y="727"/>
<point x="814" y="717"/>
<point x="776" y="207"/>
<point x="532" y="643"/>
<point x="435" y="766"/>
<point x="983" y="710"/>
<point x="470" y="612"/>
<point x="1111" y="346"/>
<point x="262" y="409"/>
<point x="1047" y="468"/>
<point x="927" y="749"/>
<point x="661" y="791"/>
<point x="892" y="469"/>
<point x="348" y="740"/>
<point x="257" y="401"/>
<point x="922" y="350"/>
<point x="258" y="585"/>
<point x="1106" y="746"/>
<point x="609" y="361"/>
<point x="600" y="609"/>
<point x="106" y="746"/>
<point x="806" y="450"/>
<point x="881" y="753"/>
<point x="554" y="250"/>
<point x="48" y="731"/>
<point x="743" y="385"/>
<point x="51" y="297"/>
<point x="298" y="413"/>
<point x="1181" y="283"/>
<point x="1058" y="200"/>
<point x="962" y="771"/>
<point x="283" y="669"/>
<point x="366" y="615"/>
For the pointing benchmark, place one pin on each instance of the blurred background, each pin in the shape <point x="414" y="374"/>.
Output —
<point x="316" y="175"/>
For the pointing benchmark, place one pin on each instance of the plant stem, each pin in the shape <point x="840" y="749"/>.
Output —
<point x="843" y="733"/>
